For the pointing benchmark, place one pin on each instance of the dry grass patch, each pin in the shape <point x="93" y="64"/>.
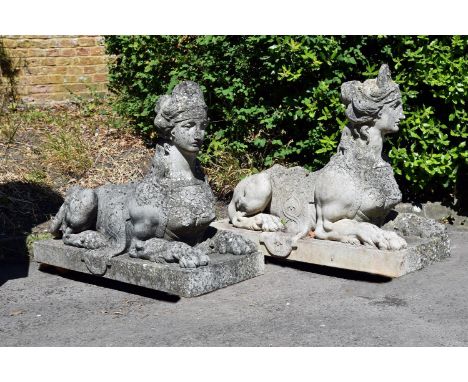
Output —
<point x="67" y="152"/>
<point x="225" y="171"/>
<point x="45" y="151"/>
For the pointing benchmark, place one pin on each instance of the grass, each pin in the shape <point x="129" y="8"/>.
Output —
<point x="33" y="237"/>
<point x="8" y="130"/>
<point x="224" y="171"/>
<point x="67" y="151"/>
<point x="70" y="144"/>
<point x="46" y="150"/>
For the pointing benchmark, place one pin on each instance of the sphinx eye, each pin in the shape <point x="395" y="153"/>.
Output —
<point x="188" y="124"/>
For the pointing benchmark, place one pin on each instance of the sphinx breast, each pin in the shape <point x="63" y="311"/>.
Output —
<point x="190" y="212"/>
<point x="380" y="192"/>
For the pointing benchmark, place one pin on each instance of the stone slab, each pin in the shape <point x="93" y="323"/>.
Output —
<point x="224" y="269"/>
<point x="420" y="253"/>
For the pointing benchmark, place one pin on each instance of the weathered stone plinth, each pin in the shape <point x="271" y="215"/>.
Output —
<point x="224" y="269"/>
<point x="420" y="253"/>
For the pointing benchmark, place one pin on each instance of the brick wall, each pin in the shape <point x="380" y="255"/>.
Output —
<point x="52" y="68"/>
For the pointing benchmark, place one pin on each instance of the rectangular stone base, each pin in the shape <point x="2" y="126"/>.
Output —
<point x="420" y="253"/>
<point x="223" y="270"/>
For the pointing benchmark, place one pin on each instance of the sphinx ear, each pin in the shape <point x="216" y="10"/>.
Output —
<point x="365" y="133"/>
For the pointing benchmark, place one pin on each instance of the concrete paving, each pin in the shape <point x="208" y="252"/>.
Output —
<point x="291" y="305"/>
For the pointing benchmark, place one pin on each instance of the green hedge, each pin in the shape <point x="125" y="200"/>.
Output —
<point x="277" y="97"/>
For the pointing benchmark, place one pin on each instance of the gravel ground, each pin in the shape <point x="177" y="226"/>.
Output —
<point x="291" y="305"/>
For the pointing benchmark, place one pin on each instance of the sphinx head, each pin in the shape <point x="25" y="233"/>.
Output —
<point x="374" y="102"/>
<point x="181" y="118"/>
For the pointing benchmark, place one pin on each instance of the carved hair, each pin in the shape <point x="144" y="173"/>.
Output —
<point x="185" y="102"/>
<point x="364" y="101"/>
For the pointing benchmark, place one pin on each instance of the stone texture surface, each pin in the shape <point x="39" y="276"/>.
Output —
<point x="436" y="211"/>
<point x="224" y="269"/>
<point x="421" y="251"/>
<point x="409" y="224"/>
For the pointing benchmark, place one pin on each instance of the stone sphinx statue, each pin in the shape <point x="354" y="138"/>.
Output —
<point x="165" y="216"/>
<point x="349" y="198"/>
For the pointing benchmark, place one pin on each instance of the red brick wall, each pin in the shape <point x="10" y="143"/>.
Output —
<point x="52" y="68"/>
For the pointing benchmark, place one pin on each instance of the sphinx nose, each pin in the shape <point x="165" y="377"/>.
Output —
<point x="199" y="134"/>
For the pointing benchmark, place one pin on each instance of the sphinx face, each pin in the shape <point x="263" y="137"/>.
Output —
<point x="389" y="118"/>
<point x="188" y="135"/>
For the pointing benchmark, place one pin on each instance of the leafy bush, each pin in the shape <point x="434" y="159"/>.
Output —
<point x="277" y="98"/>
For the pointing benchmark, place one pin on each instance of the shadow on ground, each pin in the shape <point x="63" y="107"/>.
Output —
<point x="23" y="206"/>
<point x="11" y="271"/>
<point x="107" y="283"/>
<point x="461" y="190"/>
<point x="329" y="271"/>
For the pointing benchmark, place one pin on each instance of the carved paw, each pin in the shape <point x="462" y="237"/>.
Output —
<point x="229" y="242"/>
<point x="260" y="222"/>
<point x="268" y="223"/>
<point x="152" y="249"/>
<point x="86" y="239"/>
<point x="350" y="240"/>
<point x="373" y="236"/>
<point x="163" y="251"/>
<point x="395" y="241"/>
<point x="193" y="258"/>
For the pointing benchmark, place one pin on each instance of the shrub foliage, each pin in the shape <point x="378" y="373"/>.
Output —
<point x="277" y="98"/>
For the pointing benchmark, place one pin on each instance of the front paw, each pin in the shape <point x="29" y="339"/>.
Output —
<point x="373" y="236"/>
<point x="85" y="239"/>
<point x="229" y="242"/>
<point x="395" y="242"/>
<point x="163" y="251"/>
<point x="193" y="258"/>
<point x="268" y="223"/>
<point x="152" y="249"/>
<point x="350" y="240"/>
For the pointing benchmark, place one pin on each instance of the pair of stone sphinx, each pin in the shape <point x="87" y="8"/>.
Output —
<point x="165" y="217"/>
